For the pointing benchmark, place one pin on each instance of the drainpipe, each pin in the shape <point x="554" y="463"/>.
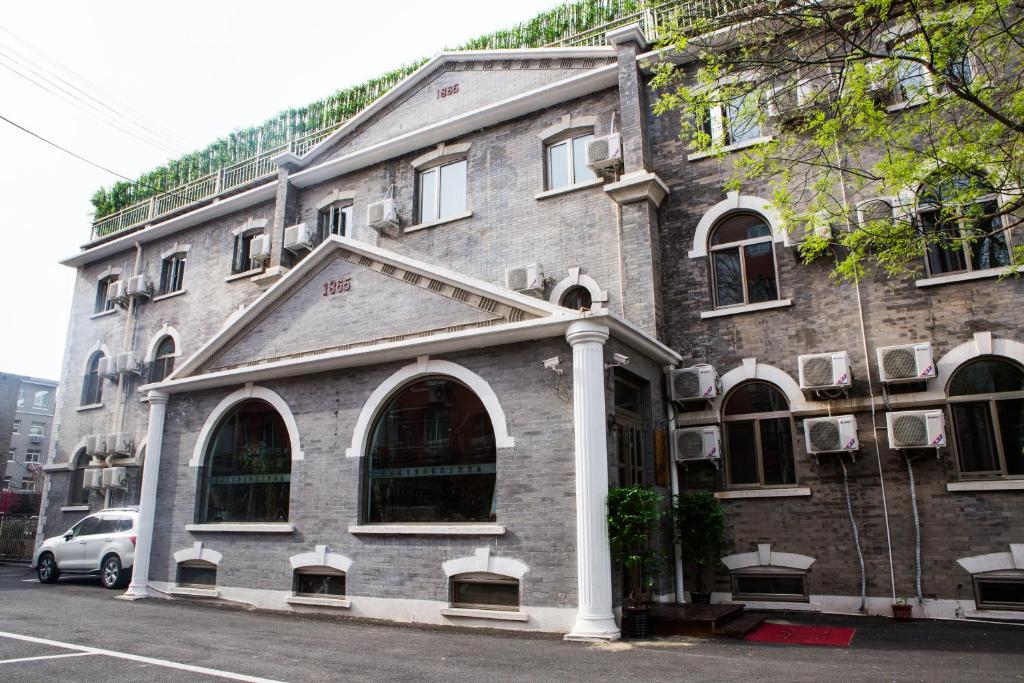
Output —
<point x="677" y="551"/>
<point x="127" y="339"/>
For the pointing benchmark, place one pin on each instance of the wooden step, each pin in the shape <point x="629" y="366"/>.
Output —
<point x="692" y="620"/>
<point x="739" y="626"/>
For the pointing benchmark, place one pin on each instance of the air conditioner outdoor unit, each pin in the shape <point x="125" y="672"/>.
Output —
<point x="382" y="216"/>
<point x="697" y="383"/>
<point x="780" y="102"/>
<point x="906" y="363"/>
<point x="117" y="291"/>
<point x="697" y="444"/>
<point x="114" y="477"/>
<point x="825" y="371"/>
<point x="831" y="434"/>
<point x="816" y="225"/>
<point x="126" y="363"/>
<point x="119" y="442"/>
<point x="604" y="152"/>
<point x="93" y="479"/>
<point x="916" y="429"/>
<point x="96" y="444"/>
<point x="299" y="237"/>
<point x="36" y="438"/>
<point x="259" y="249"/>
<point x="814" y="91"/>
<point x="528" y="279"/>
<point x="880" y="87"/>
<point x="139" y="286"/>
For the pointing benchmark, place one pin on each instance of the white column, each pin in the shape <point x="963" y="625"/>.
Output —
<point x="594" y="620"/>
<point x="147" y="496"/>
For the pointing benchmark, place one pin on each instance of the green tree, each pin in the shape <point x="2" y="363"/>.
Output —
<point x="844" y="101"/>
<point x="633" y="514"/>
<point x="699" y="523"/>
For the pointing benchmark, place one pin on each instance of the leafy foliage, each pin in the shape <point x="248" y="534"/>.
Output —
<point x="633" y="515"/>
<point x="699" y="522"/>
<point x="917" y="102"/>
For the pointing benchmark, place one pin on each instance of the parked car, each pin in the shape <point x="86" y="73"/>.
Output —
<point x="102" y="544"/>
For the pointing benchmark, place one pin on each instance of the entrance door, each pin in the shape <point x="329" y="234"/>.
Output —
<point x="630" y="434"/>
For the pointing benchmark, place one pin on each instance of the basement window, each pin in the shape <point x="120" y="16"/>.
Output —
<point x="197" y="574"/>
<point x="999" y="590"/>
<point x="483" y="590"/>
<point x="319" y="582"/>
<point x="769" y="584"/>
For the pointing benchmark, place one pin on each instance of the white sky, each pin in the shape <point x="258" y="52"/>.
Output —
<point x="199" y="69"/>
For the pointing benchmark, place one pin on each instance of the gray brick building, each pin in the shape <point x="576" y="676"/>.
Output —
<point x="406" y="365"/>
<point x="31" y="404"/>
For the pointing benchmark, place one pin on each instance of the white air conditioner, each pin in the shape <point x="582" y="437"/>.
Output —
<point x="698" y="383"/>
<point x="906" y="363"/>
<point x="139" y="286"/>
<point x="916" y="429"/>
<point x="299" y="237"/>
<point x="96" y="444"/>
<point x="382" y="216"/>
<point x="695" y="444"/>
<point x="107" y="367"/>
<point x="36" y="438"/>
<point x="813" y="92"/>
<point x="92" y="479"/>
<point x="114" y="477"/>
<point x="126" y="363"/>
<point x="880" y="87"/>
<point x="528" y="279"/>
<point x="259" y="248"/>
<point x="119" y="442"/>
<point x="825" y="371"/>
<point x="831" y="434"/>
<point x="780" y="102"/>
<point x="817" y="224"/>
<point x="117" y="291"/>
<point x="604" y="152"/>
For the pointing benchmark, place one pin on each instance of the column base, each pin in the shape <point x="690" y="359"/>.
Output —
<point x="594" y="630"/>
<point x="134" y="593"/>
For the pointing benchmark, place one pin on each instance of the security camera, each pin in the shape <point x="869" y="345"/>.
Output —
<point x="553" y="364"/>
<point x="619" y="359"/>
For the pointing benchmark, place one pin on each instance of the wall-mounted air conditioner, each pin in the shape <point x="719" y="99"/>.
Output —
<point x="604" y="152"/>
<point x="880" y="86"/>
<point x="815" y="225"/>
<point x="528" y="279"/>
<point x="382" y="216"/>
<point x="117" y="291"/>
<point x="139" y="286"/>
<point x="126" y="363"/>
<point x="916" y="429"/>
<point x="698" y="383"/>
<point x="831" y="434"/>
<point x="780" y="102"/>
<point x="299" y="237"/>
<point x="96" y="444"/>
<point x="822" y="371"/>
<point x="259" y="248"/>
<point x="906" y="363"/>
<point x="697" y="444"/>
<point x="119" y="442"/>
<point x="93" y="479"/>
<point x="36" y="438"/>
<point x="115" y="477"/>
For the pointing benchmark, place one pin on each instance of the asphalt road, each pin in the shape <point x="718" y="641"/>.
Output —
<point x="77" y="631"/>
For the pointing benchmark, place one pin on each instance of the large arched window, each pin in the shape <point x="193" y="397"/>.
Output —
<point x="247" y="469"/>
<point x="77" y="493"/>
<point x="432" y="457"/>
<point x="958" y="215"/>
<point x="758" y="436"/>
<point x="92" y="385"/>
<point x="986" y="399"/>
<point x="163" y="360"/>
<point x="743" y="269"/>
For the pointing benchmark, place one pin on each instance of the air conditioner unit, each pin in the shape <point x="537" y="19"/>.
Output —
<point x="126" y="363"/>
<point x="604" y="152"/>
<point x="115" y="477"/>
<point x="831" y="434"/>
<point x="117" y="291"/>
<point x="96" y="444"/>
<point x="528" y="279"/>
<point x="698" y="383"/>
<point x="119" y="442"/>
<point x="382" y="216"/>
<point x="259" y="248"/>
<point x="813" y="92"/>
<point x="299" y="237"/>
<point x="916" y="429"/>
<point x="697" y="444"/>
<point x="817" y="224"/>
<point x="780" y="102"/>
<point x="107" y="367"/>
<point x="139" y="286"/>
<point x="92" y="479"/>
<point x="825" y="371"/>
<point x="906" y="363"/>
<point x="880" y="87"/>
<point x="36" y="438"/>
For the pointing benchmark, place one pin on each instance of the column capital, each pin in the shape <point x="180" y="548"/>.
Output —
<point x="157" y="396"/>
<point x="583" y="331"/>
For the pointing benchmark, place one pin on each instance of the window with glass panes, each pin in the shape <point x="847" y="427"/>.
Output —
<point x="758" y="433"/>
<point x="172" y="274"/>
<point x="41" y="400"/>
<point x="242" y="260"/>
<point x="102" y="288"/>
<point x="32" y="455"/>
<point x="16" y="427"/>
<point x="769" y="583"/>
<point x="986" y="401"/>
<point x="77" y="493"/>
<point x="567" y="162"/>
<point x="483" y="590"/>
<point x="163" y="360"/>
<point x="962" y="236"/>
<point x="441" y="192"/>
<point x="197" y="574"/>
<point x="37" y="429"/>
<point x="335" y="220"/>
<point x="319" y="582"/>
<point x="742" y="254"/>
<point x="92" y="384"/>
<point x="740" y="119"/>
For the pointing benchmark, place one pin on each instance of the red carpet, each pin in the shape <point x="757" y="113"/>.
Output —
<point x="786" y="634"/>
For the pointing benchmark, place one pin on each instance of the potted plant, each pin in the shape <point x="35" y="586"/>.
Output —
<point x="902" y="610"/>
<point x="633" y="514"/>
<point x="700" y="531"/>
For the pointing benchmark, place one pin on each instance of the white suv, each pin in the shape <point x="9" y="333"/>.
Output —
<point x="101" y="544"/>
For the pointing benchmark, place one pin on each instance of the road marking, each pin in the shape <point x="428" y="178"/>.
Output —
<point x="30" y="580"/>
<point x="36" y="659"/>
<point x="138" y="658"/>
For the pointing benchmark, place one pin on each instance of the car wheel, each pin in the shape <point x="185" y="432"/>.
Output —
<point x="111" y="573"/>
<point x="46" y="569"/>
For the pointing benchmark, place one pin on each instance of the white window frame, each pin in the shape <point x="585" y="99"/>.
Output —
<point x="333" y="211"/>
<point x="923" y="208"/>
<point x="33" y="455"/>
<point x="741" y="246"/>
<point x="16" y="427"/>
<point x="436" y="169"/>
<point x="32" y="431"/>
<point x="28" y="484"/>
<point x="569" y="142"/>
<point x="176" y="263"/>
<point x="12" y="455"/>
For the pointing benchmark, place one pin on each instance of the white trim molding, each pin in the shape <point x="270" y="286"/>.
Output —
<point x="575" y="278"/>
<point x="482" y="561"/>
<point x="165" y="331"/>
<point x="995" y="562"/>
<point x="470" y="529"/>
<point x="250" y="226"/>
<point x="983" y="344"/>
<point x="242" y="527"/>
<point x="107" y="272"/>
<point x="176" y="248"/>
<point x="746" y="308"/>
<point x="198" y="552"/>
<point x="229" y="402"/>
<point x="985" y="485"/>
<point x="764" y="556"/>
<point x="320" y="557"/>
<point x="495" y="614"/>
<point x="569" y="126"/>
<point x="788" y="492"/>
<point x="735" y="201"/>
<point x="425" y="366"/>
<point x="751" y="369"/>
<point x="334" y="196"/>
<point x="441" y="154"/>
<point x="968" y="276"/>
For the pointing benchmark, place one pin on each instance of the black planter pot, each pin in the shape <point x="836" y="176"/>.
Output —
<point x="700" y="598"/>
<point x="636" y="622"/>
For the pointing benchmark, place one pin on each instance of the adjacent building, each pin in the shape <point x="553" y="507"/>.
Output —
<point x="32" y="405"/>
<point x="394" y="376"/>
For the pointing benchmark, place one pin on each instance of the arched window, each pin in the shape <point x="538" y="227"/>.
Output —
<point x="958" y="216"/>
<point x="77" y="493"/>
<point x="247" y="469"/>
<point x="577" y="298"/>
<point x="92" y="385"/>
<point x="758" y="436"/>
<point x="163" y="360"/>
<point x="986" y="399"/>
<point x="432" y="457"/>
<point x="743" y="269"/>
